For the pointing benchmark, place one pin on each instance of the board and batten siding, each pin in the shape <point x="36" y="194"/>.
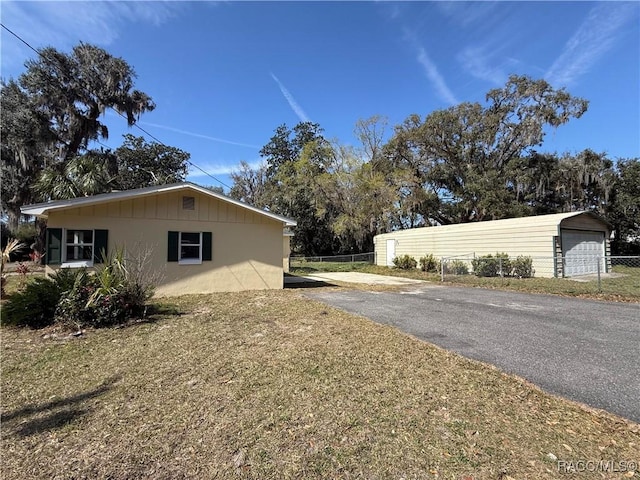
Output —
<point x="247" y="248"/>
<point x="528" y="236"/>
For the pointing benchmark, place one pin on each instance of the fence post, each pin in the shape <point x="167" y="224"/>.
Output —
<point x="500" y="266"/>
<point x="599" y="282"/>
<point x="442" y="269"/>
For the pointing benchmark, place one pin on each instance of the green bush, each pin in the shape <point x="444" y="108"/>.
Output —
<point x="429" y="263"/>
<point x="405" y="262"/>
<point x="523" y="267"/>
<point x="490" y="266"/>
<point x="110" y="297"/>
<point x="504" y="264"/>
<point x="458" y="267"/>
<point x="35" y="305"/>
<point x="486" y="266"/>
<point x="75" y="297"/>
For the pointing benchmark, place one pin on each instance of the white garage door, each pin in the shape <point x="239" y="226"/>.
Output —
<point x="582" y="251"/>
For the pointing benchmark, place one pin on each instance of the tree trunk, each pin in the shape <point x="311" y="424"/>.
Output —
<point x="13" y="218"/>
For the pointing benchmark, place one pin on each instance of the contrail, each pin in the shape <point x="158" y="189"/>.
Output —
<point x="292" y="101"/>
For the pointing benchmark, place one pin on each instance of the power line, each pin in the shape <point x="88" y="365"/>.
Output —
<point x="123" y="116"/>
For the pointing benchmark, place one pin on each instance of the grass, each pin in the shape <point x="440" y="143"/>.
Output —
<point x="625" y="288"/>
<point x="274" y="385"/>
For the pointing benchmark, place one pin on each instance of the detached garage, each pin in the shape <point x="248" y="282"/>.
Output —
<point x="561" y="245"/>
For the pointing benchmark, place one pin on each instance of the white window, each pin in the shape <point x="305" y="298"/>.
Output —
<point x="78" y="248"/>
<point x="190" y="247"/>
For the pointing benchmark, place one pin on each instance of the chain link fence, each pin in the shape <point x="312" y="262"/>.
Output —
<point x="299" y="262"/>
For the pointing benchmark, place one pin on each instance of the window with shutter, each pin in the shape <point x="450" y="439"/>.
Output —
<point x="189" y="248"/>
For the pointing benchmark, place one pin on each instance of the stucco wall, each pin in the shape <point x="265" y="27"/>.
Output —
<point x="286" y="252"/>
<point x="247" y="247"/>
<point x="528" y="236"/>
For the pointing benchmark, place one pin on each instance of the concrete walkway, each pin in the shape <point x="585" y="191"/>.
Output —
<point x="350" y="277"/>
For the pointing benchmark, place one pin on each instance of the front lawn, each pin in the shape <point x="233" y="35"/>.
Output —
<point x="274" y="385"/>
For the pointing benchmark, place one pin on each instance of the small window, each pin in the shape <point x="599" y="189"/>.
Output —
<point x="190" y="247"/>
<point x="78" y="246"/>
<point x="188" y="203"/>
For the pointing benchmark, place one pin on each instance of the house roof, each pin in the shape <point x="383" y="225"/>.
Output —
<point x="43" y="209"/>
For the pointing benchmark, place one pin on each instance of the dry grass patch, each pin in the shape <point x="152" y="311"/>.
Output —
<point x="274" y="385"/>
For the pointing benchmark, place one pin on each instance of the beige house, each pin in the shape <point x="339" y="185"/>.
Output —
<point x="201" y="241"/>
<point x="561" y="245"/>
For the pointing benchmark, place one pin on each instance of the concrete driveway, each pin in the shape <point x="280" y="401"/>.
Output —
<point x="584" y="350"/>
<point x="349" y="277"/>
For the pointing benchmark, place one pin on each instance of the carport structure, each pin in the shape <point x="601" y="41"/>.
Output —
<point x="561" y="245"/>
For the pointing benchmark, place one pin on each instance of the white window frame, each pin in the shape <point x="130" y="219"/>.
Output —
<point x="189" y="261"/>
<point x="77" y="263"/>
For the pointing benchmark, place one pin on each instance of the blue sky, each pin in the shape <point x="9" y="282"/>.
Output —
<point x="224" y="75"/>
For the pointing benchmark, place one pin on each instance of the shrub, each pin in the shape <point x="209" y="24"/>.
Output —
<point x="22" y="270"/>
<point x="110" y="297"/>
<point x="458" y="267"/>
<point x="490" y="266"/>
<point x="523" y="267"/>
<point x="405" y="262"/>
<point x="504" y="264"/>
<point x="34" y="307"/>
<point x="429" y="263"/>
<point x="486" y="266"/>
<point x="74" y="297"/>
<point x="27" y="233"/>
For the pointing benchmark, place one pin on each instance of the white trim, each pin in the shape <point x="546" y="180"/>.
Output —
<point x="77" y="263"/>
<point x="190" y="261"/>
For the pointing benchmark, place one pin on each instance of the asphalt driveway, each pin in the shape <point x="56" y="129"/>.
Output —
<point x="588" y="351"/>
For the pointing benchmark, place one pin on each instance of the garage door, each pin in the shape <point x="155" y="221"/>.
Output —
<point x="582" y="251"/>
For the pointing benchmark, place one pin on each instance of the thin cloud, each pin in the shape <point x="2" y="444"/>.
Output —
<point x="468" y="13"/>
<point x="292" y="101"/>
<point x="480" y="62"/>
<point x="597" y="34"/>
<point x="199" y="135"/>
<point x="434" y="76"/>
<point x="219" y="168"/>
<point x="475" y="61"/>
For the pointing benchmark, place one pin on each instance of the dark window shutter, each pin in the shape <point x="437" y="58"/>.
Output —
<point x="100" y="238"/>
<point x="207" y="246"/>
<point x="172" y="248"/>
<point x="54" y="246"/>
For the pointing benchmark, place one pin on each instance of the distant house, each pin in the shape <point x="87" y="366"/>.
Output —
<point x="201" y="241"/>
<point x="561" y="245"/>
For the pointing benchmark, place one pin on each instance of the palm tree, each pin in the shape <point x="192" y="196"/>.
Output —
<point x="52" y="113"/>
<point x="82" y="176"/>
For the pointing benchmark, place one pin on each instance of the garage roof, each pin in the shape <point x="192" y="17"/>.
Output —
<point x="548" y="222"/>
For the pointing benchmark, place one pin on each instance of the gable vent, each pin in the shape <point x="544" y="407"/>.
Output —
<point x="188" y="203"/>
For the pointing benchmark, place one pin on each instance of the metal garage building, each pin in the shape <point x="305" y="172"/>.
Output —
<point x="561" y="245"/>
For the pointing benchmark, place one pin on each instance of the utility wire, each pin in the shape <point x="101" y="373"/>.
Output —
<point x="123" y="116"/>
